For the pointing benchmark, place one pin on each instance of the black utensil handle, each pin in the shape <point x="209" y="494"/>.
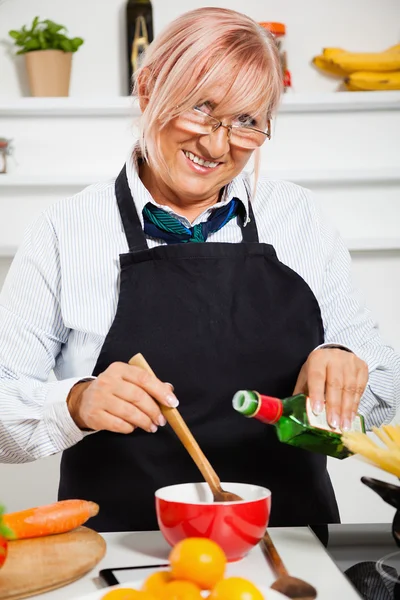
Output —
<point x="387" y="491"/>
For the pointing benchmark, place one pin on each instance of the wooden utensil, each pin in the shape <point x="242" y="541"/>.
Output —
<point x="289" y="586"/>
<point x="285" y="584"/>
<point x="38" y="565"/>
<point x="179" y="426"/>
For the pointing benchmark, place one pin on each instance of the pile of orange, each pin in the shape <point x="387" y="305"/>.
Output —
<point x="197" y="569"/>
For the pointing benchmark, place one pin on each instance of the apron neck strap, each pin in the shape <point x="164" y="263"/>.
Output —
<point x="249" y="231"/>
<point x="133" y="228"/>
<point x="130" y="219"/>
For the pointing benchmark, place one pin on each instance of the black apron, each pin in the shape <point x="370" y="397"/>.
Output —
<point x="212" y="318"/>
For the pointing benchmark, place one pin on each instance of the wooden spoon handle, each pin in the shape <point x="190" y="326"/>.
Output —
<point x="271" y="553"/>
<point x="179" y="426"/>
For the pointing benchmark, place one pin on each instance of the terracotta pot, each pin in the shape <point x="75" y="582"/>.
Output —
<point x="49" y="72"/>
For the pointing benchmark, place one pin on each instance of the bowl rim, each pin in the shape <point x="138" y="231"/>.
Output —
<point x="224" y="484"/>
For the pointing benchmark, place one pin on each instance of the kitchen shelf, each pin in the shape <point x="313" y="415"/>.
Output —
<point x="340" y="102"/>
<point x="56" y="181"/>
<point x="373" y="244"/>
<point x="386" y="175"/>
<point x="354" y="245"/>
<point x="304" y="177"/>
<point x="125" y="106"/>
<point x="122" y="106"/>
<point x="7" y="251"/>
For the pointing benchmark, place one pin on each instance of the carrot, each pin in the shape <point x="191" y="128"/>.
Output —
<point x="50" y="519"/>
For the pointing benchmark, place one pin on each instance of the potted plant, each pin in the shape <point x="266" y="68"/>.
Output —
<point x="48" y="56"/>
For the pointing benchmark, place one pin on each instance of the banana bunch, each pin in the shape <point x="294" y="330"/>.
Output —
<point x="362" y="70"/>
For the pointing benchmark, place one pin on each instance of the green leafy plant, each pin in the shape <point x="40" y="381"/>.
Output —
<point x="44" y="35"/>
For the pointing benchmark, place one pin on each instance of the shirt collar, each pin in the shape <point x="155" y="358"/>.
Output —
<point x="237" y="188"/>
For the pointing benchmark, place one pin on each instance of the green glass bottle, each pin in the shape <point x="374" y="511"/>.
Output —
<point x="295" y="422"/>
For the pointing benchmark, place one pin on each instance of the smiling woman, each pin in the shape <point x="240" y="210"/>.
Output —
<point x="220" y="286"/>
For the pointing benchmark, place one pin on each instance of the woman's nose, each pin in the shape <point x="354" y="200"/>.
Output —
<point x="217" y="142"/>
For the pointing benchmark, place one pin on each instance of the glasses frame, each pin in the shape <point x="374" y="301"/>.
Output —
<point x="229" y="128"/>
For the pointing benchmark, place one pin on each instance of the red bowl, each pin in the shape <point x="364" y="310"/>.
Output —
<point x="188" y="510"/>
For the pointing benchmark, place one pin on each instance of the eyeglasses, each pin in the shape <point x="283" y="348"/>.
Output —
<point x="244" y="136"/>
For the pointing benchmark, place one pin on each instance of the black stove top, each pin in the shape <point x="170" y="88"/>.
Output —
<point x="369" y="557"/>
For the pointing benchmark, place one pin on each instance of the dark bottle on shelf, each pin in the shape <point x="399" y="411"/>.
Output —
<point x="139" y="23"/>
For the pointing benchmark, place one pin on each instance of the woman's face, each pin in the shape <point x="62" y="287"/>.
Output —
<point x="188" y="180"/>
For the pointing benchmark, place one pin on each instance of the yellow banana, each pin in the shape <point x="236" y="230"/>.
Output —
<point x="330" y="52"/>
<point x="352" y="88"/>
<point x="351" y="62"/>
<point x="370" y="80"/>
<point x="327" y="66"/>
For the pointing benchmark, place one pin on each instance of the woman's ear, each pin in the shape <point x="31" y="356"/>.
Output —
<point x="143" y="78"/>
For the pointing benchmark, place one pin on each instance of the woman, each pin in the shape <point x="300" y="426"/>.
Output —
<point x="220" y="285"/>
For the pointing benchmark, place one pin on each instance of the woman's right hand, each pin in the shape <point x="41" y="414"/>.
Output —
<point x="121" y="399"/>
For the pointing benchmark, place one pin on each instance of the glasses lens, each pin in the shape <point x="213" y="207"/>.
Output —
<point x="247" y="138"/>
<point x="197" y="122"/>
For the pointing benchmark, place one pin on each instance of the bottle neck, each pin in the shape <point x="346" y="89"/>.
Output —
<point x="267" y="409"/>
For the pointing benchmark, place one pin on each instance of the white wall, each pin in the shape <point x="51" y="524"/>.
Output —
<point x="358" y="25"/>
<point x="344" y="142"/>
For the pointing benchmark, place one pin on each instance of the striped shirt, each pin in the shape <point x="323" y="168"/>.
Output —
<point x="60" y="298"/>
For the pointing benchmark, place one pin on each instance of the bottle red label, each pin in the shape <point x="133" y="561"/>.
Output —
<point x="269" y="409"/>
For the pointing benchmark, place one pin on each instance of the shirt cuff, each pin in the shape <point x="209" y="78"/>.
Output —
<point x="338" y="346"/>
<point x="60" y="425"/>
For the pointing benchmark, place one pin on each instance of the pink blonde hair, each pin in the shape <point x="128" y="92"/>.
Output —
<point x="195" y="54"/>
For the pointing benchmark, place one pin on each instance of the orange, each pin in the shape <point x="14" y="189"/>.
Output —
<point x="235" y="588"/>
<point x="127" y="594"/>
<point x="199" y="560"/>
<point x="156" y="582"/>
<point x="181" y="590"/>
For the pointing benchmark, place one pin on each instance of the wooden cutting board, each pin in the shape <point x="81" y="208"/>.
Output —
<point x="42" y="564"/>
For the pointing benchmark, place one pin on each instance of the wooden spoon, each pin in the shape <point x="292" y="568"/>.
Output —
<point x="285" y="584"/>
<point x="179" y="426"/>
<point x="289" y="586"/>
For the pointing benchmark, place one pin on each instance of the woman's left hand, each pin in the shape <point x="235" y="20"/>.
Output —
<point x="336" y="378"/>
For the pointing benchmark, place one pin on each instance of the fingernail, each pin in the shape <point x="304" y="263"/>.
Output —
<point x="334" y="421"/>
<point x="318" y="408"/>
<point x="346" y="425"/>
<point x="172" y="400"/>
<point x="153" y="428"/>
<point x="161" y="420"/>
<point x="170" y="385"/>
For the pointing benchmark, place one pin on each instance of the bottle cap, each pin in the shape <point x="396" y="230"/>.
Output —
<point x="246" y="402"/>
<point x="252" y="404"/>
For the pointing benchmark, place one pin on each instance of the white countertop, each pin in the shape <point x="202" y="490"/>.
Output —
<point x="301" y="551"/>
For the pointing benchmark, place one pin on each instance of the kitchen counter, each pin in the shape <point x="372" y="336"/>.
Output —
<point x="301" y="551"/>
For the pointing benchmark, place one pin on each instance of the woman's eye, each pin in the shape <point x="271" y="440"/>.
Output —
<point x="245" y="121"/>
<point x="204" y="107"/>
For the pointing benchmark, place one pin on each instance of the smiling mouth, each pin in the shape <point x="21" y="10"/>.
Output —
<point x="200" y="161"/>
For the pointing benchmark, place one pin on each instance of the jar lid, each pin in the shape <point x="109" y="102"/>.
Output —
<point x="275" y="28"/>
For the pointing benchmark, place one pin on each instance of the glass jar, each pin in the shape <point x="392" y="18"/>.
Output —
<point x="278" y="31"/>
<point x="5" y="150"/>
